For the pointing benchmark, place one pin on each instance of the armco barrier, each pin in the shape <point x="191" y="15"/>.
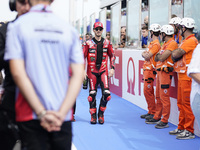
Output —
<point x="128" y="84"/>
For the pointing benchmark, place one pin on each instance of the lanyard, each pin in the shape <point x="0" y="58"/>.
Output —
<point x="176" y="39"/>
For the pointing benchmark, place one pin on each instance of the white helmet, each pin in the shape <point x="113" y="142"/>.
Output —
<point x="155" y="27"/>
<point x="167" y="29"/>
<point x="188" y="22"/>
<point x="175" y="20"/>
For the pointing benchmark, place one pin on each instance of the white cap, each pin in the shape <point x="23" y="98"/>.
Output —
<point x="155" y="27"/>
<point x="167" y="29"/>
<point x="175" y="20"/>
<point x="188" y="22"/>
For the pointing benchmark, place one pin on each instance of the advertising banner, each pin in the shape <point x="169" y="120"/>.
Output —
<point x="116" y="80"/>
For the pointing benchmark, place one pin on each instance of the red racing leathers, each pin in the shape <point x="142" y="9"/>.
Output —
<point x="97" y="54"/>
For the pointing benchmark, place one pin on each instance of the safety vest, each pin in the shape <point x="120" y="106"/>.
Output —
<point x="150" y="65"/>
<point x="168" y="62"/>
<point x="181" y="66"/>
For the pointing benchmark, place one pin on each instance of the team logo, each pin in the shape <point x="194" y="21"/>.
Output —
<point x="105" y="50"/>
<point x="116" y="80"/>
<point x="131" y="76"/>
<point x="149" y="86"/>
<point x="92" y="58"/>
<point x="165" y="91"/>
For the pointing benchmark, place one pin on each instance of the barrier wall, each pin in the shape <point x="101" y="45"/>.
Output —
<point x="128" y="84"/>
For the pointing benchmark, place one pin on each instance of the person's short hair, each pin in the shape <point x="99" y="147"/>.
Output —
<point x="173" y="16"/>
<point x="144" y="28"/>
<point x="88" y="33"/>
<point x="156" y="33"/>
<point x="21" y="1"/>
<point x="107" y="33"/>
<point x="123" y="27"/>
<point x="190" y="29"/>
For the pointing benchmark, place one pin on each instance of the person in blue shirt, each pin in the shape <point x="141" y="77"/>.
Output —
<point x="144" y="36"/>
<point x="40" y="54"/>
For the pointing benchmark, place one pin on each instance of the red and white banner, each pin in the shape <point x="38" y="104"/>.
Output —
<point x="116" y="80"/>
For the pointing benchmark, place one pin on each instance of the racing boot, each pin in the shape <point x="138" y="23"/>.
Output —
<point x="100" y="115"/>
<point x="93" y="115"/>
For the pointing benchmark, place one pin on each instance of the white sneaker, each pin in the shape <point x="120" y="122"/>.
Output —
<point x="175" y="132"/>
<point x="185" y="135"/>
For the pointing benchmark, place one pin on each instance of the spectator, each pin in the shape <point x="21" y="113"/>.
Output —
<point x="194" y="73"/>
<point x="146" y="20"/>
<point x="87" y="36"/>
<point x="90" y="36"/>
<point x="173" y="2"/>
<point x="144" y="36"/>
<point x="39" y="59"/>
<point x="108" y="36"/>
<point x="182" y="57"/>
<point x="178" y="2"/>
<point x="108" y="15"/>
<point x="123" y="13"/>
<point x="122" y="37"/>
<point x="123" y="32"/>
<point x="9" y="136"/>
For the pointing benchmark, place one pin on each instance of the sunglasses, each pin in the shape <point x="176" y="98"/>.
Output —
<point x="100" y="29"/>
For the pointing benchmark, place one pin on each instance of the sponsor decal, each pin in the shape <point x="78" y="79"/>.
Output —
<point x="141" y="63"/>
<point x="105" y="50"/>
<point x="165" y="91"/>
<point x="91" y="50"/>
<point x="116" y="80"/>
<point x="131" y="76"/>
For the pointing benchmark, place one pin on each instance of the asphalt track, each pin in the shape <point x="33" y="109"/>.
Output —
<point x="123" y="129"/>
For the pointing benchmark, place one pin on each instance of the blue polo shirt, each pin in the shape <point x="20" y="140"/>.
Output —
<point x="144" y="40"/>
<point x="48" y="45"/>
